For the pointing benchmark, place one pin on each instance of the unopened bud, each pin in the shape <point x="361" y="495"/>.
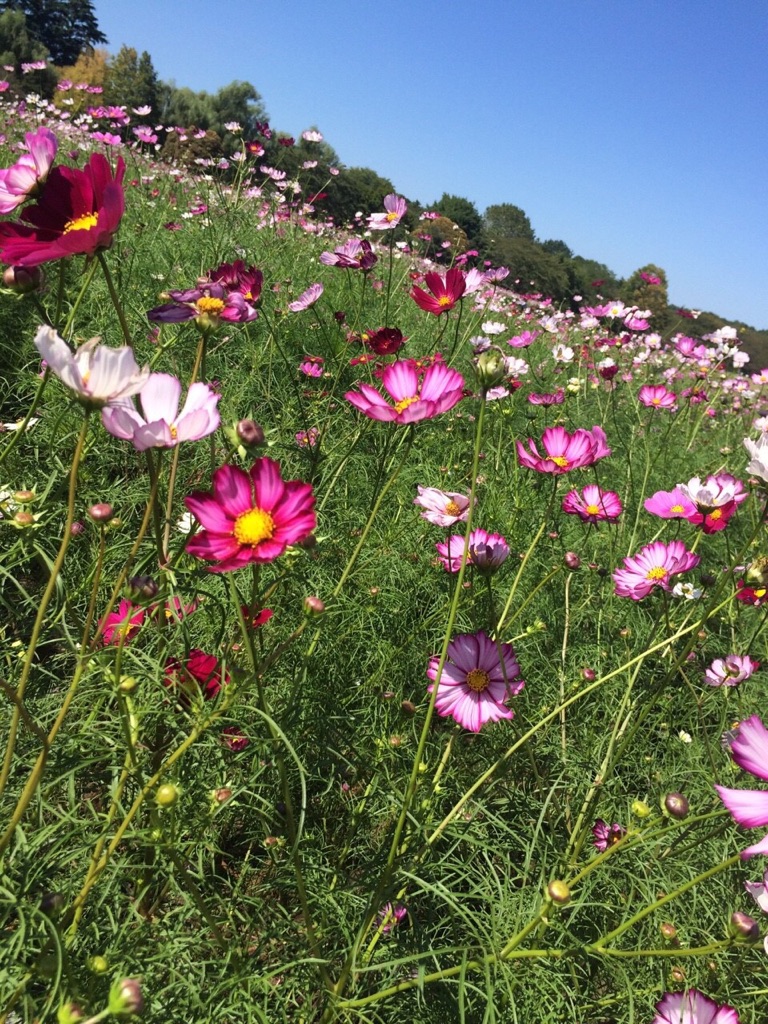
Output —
<point x="707" y="579"/>
<point x="23" y="280"/>
<point x="408" y="707"/>
<point x="249" y="433"/>
<point x="221" y="796"/>
<point x="77" y="528"/>
<point x="24" y="519"/>
<point x="23" y="497"/>
<point x="101" y="512"/>
<point x="668" y="931"/>
<point x="166" y="795"/>
<point x="559" y="892"/>
<point x="125" y="998"/>
<point x="313" y="606"/>
<point x="678" y="975"/>
<point x="51" y="904"/>
<point x="588" y="674"/>
<point x="98" y="964"/>
<point x="308" y="543"/>
<point x="490" y="368"/>
<point x="676" y="805"/>
<point x="143" y="586"/>
<point x="742" y="926"/>
<point x="641" y="809"/>
<point x="571" y="560"/>
<point x="69" y="1013"/>
<point x="127" y="684"/>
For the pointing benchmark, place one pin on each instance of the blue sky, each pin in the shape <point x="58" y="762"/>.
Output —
<point x="634" y="131"/>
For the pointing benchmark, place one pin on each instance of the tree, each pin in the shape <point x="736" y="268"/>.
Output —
<point x="238" y="101"/>
<point x="464" y="213"/>
<point x="64" y="27"/>
<point x="557" y="247"/>
<point x="647" y="289"/>
<point x="353" y="190"/>
<point x="531" y="268"/>
<point x="505" y="220"/>
<point x="131" y="81"/>
<point x="430" y="235"/>
<point x="17" y="47"/>
<point x="90" y="67"/>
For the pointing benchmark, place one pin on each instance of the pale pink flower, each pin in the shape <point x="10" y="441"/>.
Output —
<point x="749" y="807"/>
<point x="23" y="180"/>
<point x="97" y="374"/>
<point x="442" y="508"/>
<point x="731" y="670"/>
<point x="395" y="207"/>
<point x="759" y="892"/>
<point x="162" y="425"/>
<point x="306" y="299"/>
<point x="652" y="567"/>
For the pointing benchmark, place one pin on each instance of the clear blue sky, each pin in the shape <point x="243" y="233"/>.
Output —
<point x="634" y="130"/>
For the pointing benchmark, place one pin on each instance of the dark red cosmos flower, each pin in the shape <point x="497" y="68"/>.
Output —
<point x="239" y="278"/>
<point x="384" y="342"/>
<point x="756" y="596"/>
<point x="446" y="291"/>
<point x="199" y="674"/>
<point x="79" y="213"/>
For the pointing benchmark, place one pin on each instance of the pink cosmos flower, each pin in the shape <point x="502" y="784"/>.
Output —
<point x="22" y="181"/>
<point x="478" y="678"/>
<point x="442" y="508"/>
<point x="98" y="375"/>
<point x="670" y="505"/>
<point x="312" y="366"/>
<point x="446" y="291"/>
<point x="438" y="391"/>
<point x="606" y="835"/>
<point x="308" y="438"/>
<point x="651" y="567"/>
<point x="306" y="299"/>
<point x="731" y="670"/>
<point x="486" y="552"/>
<point x="593" y="504"/>
<point x="715" y="499"/>
<point x="250" y="517"/>
<point x="122" y="625"/>
<point x="162" y="425"/>
<point x="749" y="807"/>
<point x="390" y="916"/>
<point x="207" y="304"/>
<point x="759" y="892"/>
<point x="354" y="254"/>
<point x="395" y="207"/>
<point x="656" y="396"/>
<point x="199" y="673"/>
<point x="693" y="1007"/>
<point x="555" y="398"/>
<point x="564" y="451"/>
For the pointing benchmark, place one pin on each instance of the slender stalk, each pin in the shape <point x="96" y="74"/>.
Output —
<point x="115" y="300"/>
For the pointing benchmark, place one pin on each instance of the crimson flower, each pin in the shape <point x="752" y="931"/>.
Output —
<point x="446" y="291"/>
<point x="200" y="673"/>
<point x="236" y="277"/>
<point x="384" y="342"/>
<point x="78" y="213"/>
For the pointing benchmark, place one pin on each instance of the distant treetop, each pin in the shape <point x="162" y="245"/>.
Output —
<point x="64" y="27"/>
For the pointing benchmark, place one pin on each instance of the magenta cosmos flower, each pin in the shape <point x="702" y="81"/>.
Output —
<point x="656" y="396"/>
<point x="606" y="835"/>
<point x="749" y="807"/>
<point x="564" y="451"/>
<point x="670" y="505"/>
<point x="731" y="670"/>
<point x="593" y="504"/>
<point x="438" y="391"/>
<point x="98" y="375"/>
<point x="654" y="566"/>
<point x="22" y="181"/>
<point x="486" y="552"/>
<point x="207" y="304"/>
<point x="446" y="291"/>
<point x="442" y="508"/>
<point x="79" y="213"/>
<point x="693" y="1007"/>
<point x="122" y="624"/>
<point x="354" y="254"/>
<point x="162" y="425"/>
<point x="478" y="678"/>
<point x="250" y="517"/>
<point x="395" y="208"/>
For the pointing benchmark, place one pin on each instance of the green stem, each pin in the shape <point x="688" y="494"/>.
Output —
<point x="115" y="299"/>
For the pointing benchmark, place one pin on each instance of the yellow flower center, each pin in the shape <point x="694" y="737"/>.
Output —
<point x="405" y="402"/>
<point x="559" y="460"/>
<point x="444" y="300"/>
<point x="391" y="217"/>
<point x="452" y="509"/>
<point x="208" y="305"/>
<point x="174" y="432"/>
<point x="253" y="526"/>
<point x="478" y="680"/>
<point x="83" y="223"/>
<point x="760" y="593"/>
<point x="655" y="401"/>
<point x="592" y="509"/>
<point x="658" y="573"/>
<point x="677" y="508"/>
<point x="716" y="514"/>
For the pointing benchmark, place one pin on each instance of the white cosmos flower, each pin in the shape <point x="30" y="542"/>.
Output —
<point x="97" y="374"/>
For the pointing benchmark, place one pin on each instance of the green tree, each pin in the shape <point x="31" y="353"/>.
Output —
<point x="647" y="288"/>
<point x="429" y="236"/>
<point x="505" y="220"/>
<point x="18" y="47"/>
<point x="531" y="268"/>
<point x="557" y="247"/>
<point x="64" y="27"/>
<point x="238" y="101"/>
<point x="464" y="213"/>
<point x="131" y="80"/>
<point x="353" y="190"/>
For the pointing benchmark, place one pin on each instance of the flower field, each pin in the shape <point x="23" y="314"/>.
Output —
<point x="379" y="642"/>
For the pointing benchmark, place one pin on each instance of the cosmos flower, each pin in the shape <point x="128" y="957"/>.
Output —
<point x="384" y="342"/>
<point x="24" y="179"/>
<point x="716" y="500"/>
<point x="749" y="807"/>
<point x="564" y="451"/>
<point x="653" y="566"/>
<point x="236" y="277"/>
<point x="354" y="254"/>
<point x="162" y="425"/>
<point x="78" y="213"/>
<point x="98" y="375"/>
<point x="395" y="207"/>
<point x="478" y="678"/>
<point x="446" y="291"/>
<point x="606" y="835"/>
<point x="306" y="299"/>
<point x="208" y="304"/>
<point x="442" y="508"/>
<point x="672" y="504"/>
<point x="198" y="674"/>
<point x="438" y="391"/>
<point x="656" y="396"/>
<point x="759" y="892"/>
<point x="555" y="398"/>
<point x="731" y="670"/>
<point x="250" y="517"/>
<point x="758" y="453"/>
<point x="122" y="624"/>
<point x="593" y="504"/>
<point x="693" y="1007"/>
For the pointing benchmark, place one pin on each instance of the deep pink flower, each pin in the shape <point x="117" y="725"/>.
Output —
<point x="656" y="396"/>
<point x="354" y="254"/>
<point x="162" y="425"/>
<point x="24" y="179"/>
<point x="564" y="451"/>
<point x="446" y="291"/>
<point x="236" y="277"/>
<point x="442" y="508"/>
<point x="651" y="567"/>
<point x="593" y="504"/>
<point x="308" y="438"/>
<point x="478" y="678"/>
<point x="670" y="505"/>
<point x="693" y="1007"/>
<point x="199" y="673"/>
<point x="395" y="207"/>
<point x="78" y="213"/>
<point x="755" y="596"/>
<point x="390" y="916"/>
<point x="486" y="552"/>
<point x="438" y="391"/>
<point x="606" y="835"/>
<point x="234" y="738"/>
<point x="749" y="807"/>
<point x="312" y="366"/>
<point x="555" y="398"/>
<point x="250" y="517"/>
<point x="122" y="625"/>
<point x="731" y="670"/>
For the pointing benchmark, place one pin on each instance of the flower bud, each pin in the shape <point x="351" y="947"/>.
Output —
<point x="23" y="280"/>
<point x="249" y="433"/>
<point x="707" y="579"/>
<point x="313" y="606"/>
<point x="308" y="543"/>
<point x="676" y="806"/>
<point x="742" y="926"/>
<point x="23" y="519"/>
<point x="23" y="497"/>
<point x="125" y="998"/>
<point x="571" y="560"/>
<point x="98" y="964"/>
<point x="408" y="707"/>
<point x="51" y="904"/>
<point x="69" y="1013"/>
<point x="127" y="684"/>
<point x="641" y="809"/>
<point x="490" y="368"/>
<point x="143" y="586"/>
<point x="101" y="512"/>
<point x="668" y="932"/>
<point x="757" y="573"/>
<point x="559" y="892"/>
<point x="166" y="795"/>
<point x="588" y="674"/>
<point x="222" y="795"/>
<point x="677" y="974"/>
<point x="77" y="528"/>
